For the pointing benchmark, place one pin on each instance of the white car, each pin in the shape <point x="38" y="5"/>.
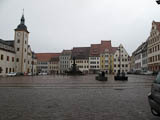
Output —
<point x="29" y="74"/>
<point x="148" y="73"/>
<point x="43" y="73"/>
<point x="11" y="74"/>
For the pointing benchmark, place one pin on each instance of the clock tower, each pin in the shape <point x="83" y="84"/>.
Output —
<point x="21" y="46"/>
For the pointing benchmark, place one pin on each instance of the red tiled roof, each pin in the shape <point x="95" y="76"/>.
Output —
<point x="97" y="49"/>
<point x="114" y="49"/>
<point x="105" y="45"/>
<point x="46" y="56"/>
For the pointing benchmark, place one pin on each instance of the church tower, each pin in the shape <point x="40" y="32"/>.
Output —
<point x="21" y="46"/>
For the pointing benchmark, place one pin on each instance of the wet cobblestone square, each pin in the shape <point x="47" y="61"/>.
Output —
<point x="75" y="98"/>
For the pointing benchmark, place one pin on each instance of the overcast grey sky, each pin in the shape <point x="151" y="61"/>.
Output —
<point x="55" y="25"/>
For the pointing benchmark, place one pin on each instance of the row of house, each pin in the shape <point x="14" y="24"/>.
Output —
<point x="16" y="56"/>
<point x="92" y="59"/>
<point x="147" y="55"/>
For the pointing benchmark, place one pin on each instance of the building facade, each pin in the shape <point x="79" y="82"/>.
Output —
<point x="121" y="60"/>
<point x="43" y="61"/>
<point x="16" y="55"/>
<point x="140" y="58"/>
<point x="93" y="59"/>
<point x="64" y="61"/>
<point x="154" y="47"/>
<point x="54" y="65"/>
<point x="107" y="61"/>
<point x="81" y="55"/>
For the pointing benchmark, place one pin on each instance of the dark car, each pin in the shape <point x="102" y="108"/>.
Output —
<point x="154" y="97"/>
<point x="19" y="74"/>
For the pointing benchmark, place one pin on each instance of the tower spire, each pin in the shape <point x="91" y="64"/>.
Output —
<point x="23" y="19"/>
<point x="23" y="12"/>
<point x="22" y="25"/>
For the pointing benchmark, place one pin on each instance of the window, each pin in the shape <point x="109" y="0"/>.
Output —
<point x="155" y="58"/>
<point x="24" y="60"/>
<point x="17" y="49"/>
<point x="12" y="59"/>
<point x="106" y="66"/>
<point x="7" y="58"/>
<point x="17" y="60"/>
<point x="1" y="57"/>
<point x="158" y="57"/>
<point x="18" y="41"/>
<point x="6" y="70"/>
<point x="10" y="69"/>
<point x="25" y="42"/>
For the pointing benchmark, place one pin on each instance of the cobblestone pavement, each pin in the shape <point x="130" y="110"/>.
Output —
<point x="75" y="98"/>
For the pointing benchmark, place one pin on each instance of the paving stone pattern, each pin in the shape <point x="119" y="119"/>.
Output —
<point x="74" y="98"/>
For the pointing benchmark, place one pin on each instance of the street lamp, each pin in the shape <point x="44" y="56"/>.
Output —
<point x="158" y="1"/>
<point x="32" y="62"/>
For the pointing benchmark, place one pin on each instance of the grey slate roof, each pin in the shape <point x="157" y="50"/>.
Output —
<point x="22" y="26"/>
<point x="80" y="52"/>
<point x="8" y="42"/>
<point x="7" y="45"/>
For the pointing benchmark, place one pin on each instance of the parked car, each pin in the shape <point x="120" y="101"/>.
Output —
<point x="11" y="74"/>
<point x="154" y="97"/>
<point x="137" y="72"/>
<point x="148" y="73"/>
<point x="29" y="74"/>
<point x="19" y="74"/>
<point x="42" y="73"/>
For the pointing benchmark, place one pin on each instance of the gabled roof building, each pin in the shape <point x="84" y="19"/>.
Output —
<point x="153" y="47"/>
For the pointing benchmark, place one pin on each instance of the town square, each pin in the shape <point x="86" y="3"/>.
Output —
<point x="79" y="60"/>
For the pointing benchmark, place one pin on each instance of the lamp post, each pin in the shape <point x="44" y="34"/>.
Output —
<point x="119" y="59"/>
<point x="158" y="1"/>
<point x="32" y="62"/>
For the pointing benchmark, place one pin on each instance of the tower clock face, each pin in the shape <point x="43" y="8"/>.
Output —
<point x="18" y="34"/>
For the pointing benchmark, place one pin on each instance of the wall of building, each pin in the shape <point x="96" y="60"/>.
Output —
<point x="7" y="62"/>
<point x="154" y="49"/>
<point x="54" y="67"/>
<point x="123" y="58"/>
<point x="64" y="63"/>
<point x="82" y="64"/>
<point x="94" y="64"/>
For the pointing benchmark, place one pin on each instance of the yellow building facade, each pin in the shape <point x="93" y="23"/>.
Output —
<point x="107" y="62"/>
